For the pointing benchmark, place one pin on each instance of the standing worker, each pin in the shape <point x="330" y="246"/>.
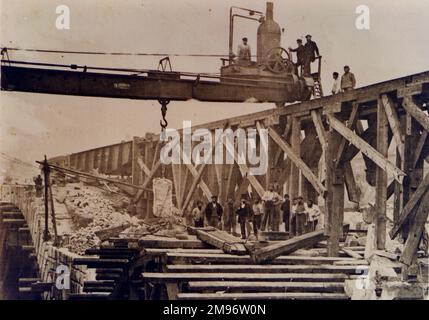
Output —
<point x="348" y="80"/>
<point x="336" y="86"/>
<point x="229" y="221"/>
<point x="299" y="55"/>
<point x="300" y="213"/>
<point x="197" y="215"/>
<point x="258" y="211"/>
<point x="271" y="199"/>
<point x="213" y="212"/>
<point x="285" y="208"/>
<point x="244" y="53"/>
<point x="243" y="212"/>
<point x="313" y="215"/>
<point x="311" y="51"/>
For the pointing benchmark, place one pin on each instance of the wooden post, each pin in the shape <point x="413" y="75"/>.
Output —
<point x="381" y="177"/>
<point x="296" y="148"/>
<point x="334" y="208"/>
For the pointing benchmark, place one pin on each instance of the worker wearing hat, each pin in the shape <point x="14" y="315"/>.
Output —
<point x="311" y="51"/>
<point x="299" y="214"/>
<point x="299" y="55"/>
<point x="244" y="52"/>
<point x="213" y="212"/>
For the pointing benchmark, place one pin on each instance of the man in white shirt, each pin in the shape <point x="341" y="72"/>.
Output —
<point x="271" y="199"/>
<point x="299" y="215"/>
<point x="336" y="87"/>
<point x="244" y="53"/>
<point x="313" y="215"/>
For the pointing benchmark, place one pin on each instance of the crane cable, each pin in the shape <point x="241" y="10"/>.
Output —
<point x="118" y="53"/>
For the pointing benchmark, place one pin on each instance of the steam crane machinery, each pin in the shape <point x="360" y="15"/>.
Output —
<point x="271" y="78"/>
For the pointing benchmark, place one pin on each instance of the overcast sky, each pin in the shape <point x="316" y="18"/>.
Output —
<point x="35" y="124"/>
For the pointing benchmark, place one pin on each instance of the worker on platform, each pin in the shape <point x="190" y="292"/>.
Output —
<point x="336" y="86"/>
<point x="213" y="212"/>
<point x="38" y="185"/>
<point x="299" y="56"/>
<point x="244" y="53"/>
<point x="197" y="215"/>
<point x="311" y="51"/>
<point x="271" y="199"/>
<point x="348" y="80"/>
<point x="244" y="212"/>
<point x="313" y="215"/>
<point x="229" y="220"/>
<point x="299" y="211"/>
<point x="285" y="209"/>
<point x="258" y="212"/>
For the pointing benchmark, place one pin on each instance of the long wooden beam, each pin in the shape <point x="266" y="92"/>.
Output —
<point x="365" y="148"/>
<point x="245" y="170"/>
<point x="416" y="112"/>
<point x="320" y="129"/>
<point x="350" y="124"/>
<point x="416" y="230"/>
<point x="395" y="125"/>
<point x="409" y="207"/>
<point x="296" y="159"/>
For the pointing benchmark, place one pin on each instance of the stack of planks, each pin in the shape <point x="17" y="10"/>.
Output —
<point x="190" y="270"/>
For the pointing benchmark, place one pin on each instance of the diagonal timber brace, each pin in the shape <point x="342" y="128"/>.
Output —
<point x="366" y="148"/>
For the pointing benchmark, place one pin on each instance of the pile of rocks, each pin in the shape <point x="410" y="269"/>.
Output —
<point x="92" y="211"/>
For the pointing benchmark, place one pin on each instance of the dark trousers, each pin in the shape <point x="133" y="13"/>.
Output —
<point x="213" y="221"/>
<point x="199" y="223"/>
<point x="243" y="228"/>
<point x="301" y="220"/>
<point x="269" y="219"/>
<point x="307" y="67"/>
<point x="286" y="220"/>
<point x="256" y="224"/>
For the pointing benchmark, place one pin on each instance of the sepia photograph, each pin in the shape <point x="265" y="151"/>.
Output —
<point x="225" y="151"/>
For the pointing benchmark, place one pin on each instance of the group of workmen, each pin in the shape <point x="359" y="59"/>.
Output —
<point x="305" y="55"/>
<point x="258" y="214"/>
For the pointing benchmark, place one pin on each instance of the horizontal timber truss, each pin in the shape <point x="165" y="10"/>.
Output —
<point x="312" y="147"/>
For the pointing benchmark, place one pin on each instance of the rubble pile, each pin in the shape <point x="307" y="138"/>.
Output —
<point x="93" y="211"/>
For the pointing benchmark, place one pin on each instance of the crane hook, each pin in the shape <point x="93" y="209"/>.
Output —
<point x="163" y="123"/>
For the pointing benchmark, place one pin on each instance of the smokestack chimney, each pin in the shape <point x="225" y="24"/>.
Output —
<point x="270" y="11"/>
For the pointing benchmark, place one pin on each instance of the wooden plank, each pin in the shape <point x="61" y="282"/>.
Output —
<point x="393" y="119"/>
<point x="143" y="166"/>
<point x="416" y="230"/>
<point x="320" y="129"/>
<point x="421" y="144"/>
<point x="350" y="124"/>
<point x="149" y="242"/>
<point x="245" y="170"/>
<point x="409" y="207"/>
<point x="249" y="286"/>
<point x="203" y="186"/>
<point x="294" y="154"/>
<point x="266" y="268"/>
<point x="353" y="190"/>
<point x="286" y="247"/>
<point x="352" y="253"/>
<point x="381" y="177"/>
<point x="162" y="277"/>
<point x="296" y="159"/>
<point x="334" y="213"/>
<point x="228" y="259"/>
<point x="366" y="148"/>
<point x="416" y="112"/>
<point x="223" y="240"/>
<point x="262" y="296"/>
<point x="194" y="184"/>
